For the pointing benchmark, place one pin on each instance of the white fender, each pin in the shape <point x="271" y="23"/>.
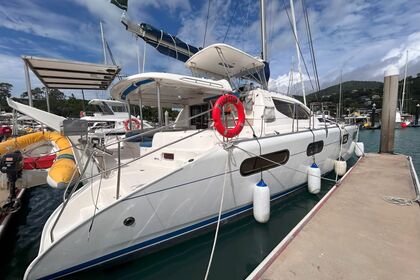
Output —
<point x="314" y="179"/>
<point x="261" y="201"/>
<point x="360" y="149"/>
<point x="340" y="167"/>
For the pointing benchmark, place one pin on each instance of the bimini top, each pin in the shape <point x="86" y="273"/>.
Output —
<point x="224" y="61"/>
<point x="64" y="74"/>
<point x="173" y="89"/>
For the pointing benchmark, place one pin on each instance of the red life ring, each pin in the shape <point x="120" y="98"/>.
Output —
<point x="218" y="110"/>
<point x="135" y="121"/>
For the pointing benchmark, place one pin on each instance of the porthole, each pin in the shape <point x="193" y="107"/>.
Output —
<point x="267" y="161"/>
<point x="129" y="221"/>
<point x="314" y="148"/>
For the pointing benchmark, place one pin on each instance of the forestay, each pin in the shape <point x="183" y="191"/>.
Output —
<point x="171" y="90"/>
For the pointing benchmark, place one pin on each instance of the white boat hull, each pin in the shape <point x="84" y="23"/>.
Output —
<point x="182" y="202"/>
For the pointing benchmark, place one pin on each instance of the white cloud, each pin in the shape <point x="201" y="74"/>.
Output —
<point x="361" y="37"/>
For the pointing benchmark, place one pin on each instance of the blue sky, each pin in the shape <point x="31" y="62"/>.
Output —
<point x="360" y="37"/>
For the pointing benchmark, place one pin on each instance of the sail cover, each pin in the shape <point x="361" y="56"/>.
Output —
<point x="165" y="43"/>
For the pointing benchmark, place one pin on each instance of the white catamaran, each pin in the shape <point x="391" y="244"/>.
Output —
<point x="137" y="197"/>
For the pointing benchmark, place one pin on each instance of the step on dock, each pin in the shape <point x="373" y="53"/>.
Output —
<point x="353" y="232"/>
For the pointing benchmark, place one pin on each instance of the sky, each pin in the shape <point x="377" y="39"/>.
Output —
<point x="360" y="38"/>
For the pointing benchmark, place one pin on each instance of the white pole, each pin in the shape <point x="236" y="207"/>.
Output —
<point x="159" y="105"/>
<point x="292" y="10"/>
<point x="103" y="42"/>
<point x="339" y="97"/>
<point x="405" y="78"/>
<point x="28" y="84"/>
<point x="47" y="98"/>
<point x="144" y="57"/>
<point x="263" y="32"/>
<point x="138" y="57"/>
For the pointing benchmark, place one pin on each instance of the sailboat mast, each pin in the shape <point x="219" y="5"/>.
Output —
<point x="292" y="10"/>
<point x="405" y="78"/>
<point x="264" y="51"/>
<point x="103" y="42"/>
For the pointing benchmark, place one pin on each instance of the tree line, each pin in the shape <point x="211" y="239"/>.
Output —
<point x="66" y="105"/>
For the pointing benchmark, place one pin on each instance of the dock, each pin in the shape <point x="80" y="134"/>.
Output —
<point x="355" y="231"/>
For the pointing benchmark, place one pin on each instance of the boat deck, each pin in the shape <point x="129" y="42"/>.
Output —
<point x="353" y="232"/>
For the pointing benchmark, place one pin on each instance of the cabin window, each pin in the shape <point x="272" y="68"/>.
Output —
<point x="200" y="122"/>
<point x="314" y="148"/>
<point x="257" y="164"/>
<point x="288" y="109"/>
<point x="119" y="108"/>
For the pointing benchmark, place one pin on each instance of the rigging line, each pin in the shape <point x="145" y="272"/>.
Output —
<point x="96" y="207"/>
<point x="219" y="216"/>
<point x="246" y="22"/>
<point x="311" y="44"/>
<point x="298" y="44"/>
<point x="207" y="21"/>
<point x="308" y="38"/>
<point x="230" y="21"/>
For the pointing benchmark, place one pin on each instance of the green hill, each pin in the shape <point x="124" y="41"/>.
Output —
<point x="360" y="95"/>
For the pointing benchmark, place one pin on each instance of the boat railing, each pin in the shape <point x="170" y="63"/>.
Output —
<point x="81" y="178"/>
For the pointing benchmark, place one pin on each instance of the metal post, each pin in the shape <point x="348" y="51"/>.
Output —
<point x="141" y="109"/>
<point x="83" y="104"/>
<point x="14" y="123"/>
<point x="119" y="171"/>
<point x="159" y="106"/>
<point x="166" y="118"/>
<point x="130" y="125"/>
<point x="28" y="84"/>
<point x="47" y="98"/>
<point x="389" y="108"/>
<point x="416" y="120"/>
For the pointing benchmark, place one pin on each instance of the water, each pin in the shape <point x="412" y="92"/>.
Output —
<point x="241" y="246"/>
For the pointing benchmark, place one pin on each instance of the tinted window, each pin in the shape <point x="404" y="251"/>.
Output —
<point x="315" y="148"/>
<point x="287" y="109"/>
<point x="200" y="122"/>
<point x="256" y="164"/>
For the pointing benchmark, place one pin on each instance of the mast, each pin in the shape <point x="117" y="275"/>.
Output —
<point x="340" y="95"/>
<point x="292" y="10"/>
<point x="103" y="42"/>
<point x="405" y="78"/>
<point x="264" y="52"/>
